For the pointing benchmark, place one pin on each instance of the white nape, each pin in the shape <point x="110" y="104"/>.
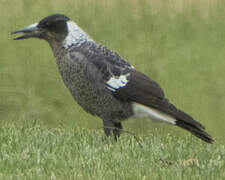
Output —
<point x="142" y="111"/>
<point x="75" y="35"/>
<point x="115" y="83"/>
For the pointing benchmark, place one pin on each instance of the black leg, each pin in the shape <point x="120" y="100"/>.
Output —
<point x="112" y="126"/>
<point x="117" y="130"/>
<point x="108" y="127"/>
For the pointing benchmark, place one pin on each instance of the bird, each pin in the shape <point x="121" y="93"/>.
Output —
<point x="103" y="83"/>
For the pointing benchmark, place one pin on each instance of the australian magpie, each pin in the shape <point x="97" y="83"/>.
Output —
<point x="103" y="83"/>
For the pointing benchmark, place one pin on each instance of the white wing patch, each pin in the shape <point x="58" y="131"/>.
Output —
<point x="154" y="114"/>
<point x="115" y="83"/>
<point x="75" y="35"/>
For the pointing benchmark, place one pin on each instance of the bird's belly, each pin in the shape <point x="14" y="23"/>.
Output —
<point x="100" y="102"/>
<point x="94" y="98"/>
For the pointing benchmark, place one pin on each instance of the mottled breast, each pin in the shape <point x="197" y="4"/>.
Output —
<point x="86" y="85"/>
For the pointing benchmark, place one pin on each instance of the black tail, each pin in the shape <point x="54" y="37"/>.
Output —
<point x="195" y="129"/>
<point x="185" y="121"/>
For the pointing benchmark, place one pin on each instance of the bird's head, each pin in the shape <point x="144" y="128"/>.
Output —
<point x="53" y="27"/>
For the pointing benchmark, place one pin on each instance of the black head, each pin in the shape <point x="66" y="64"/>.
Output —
<point x="50" y="27"/>
<point x="55" y="23"/>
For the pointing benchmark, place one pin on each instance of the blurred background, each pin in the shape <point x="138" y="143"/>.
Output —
<point x="178" y="43"/>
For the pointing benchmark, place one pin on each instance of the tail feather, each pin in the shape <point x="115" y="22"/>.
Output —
<point x="186" y="122"/>
<point x="195" y="130"/>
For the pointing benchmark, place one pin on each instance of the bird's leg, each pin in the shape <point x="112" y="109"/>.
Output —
<point x="117" y="130"/>
<point x="110" y="126"/>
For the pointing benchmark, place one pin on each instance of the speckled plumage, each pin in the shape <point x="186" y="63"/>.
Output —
<point x="86" y="83"/>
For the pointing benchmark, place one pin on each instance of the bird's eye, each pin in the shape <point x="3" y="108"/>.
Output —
<point x="43" y="24"/>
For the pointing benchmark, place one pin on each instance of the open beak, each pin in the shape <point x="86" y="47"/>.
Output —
<point x="30" y="32"/>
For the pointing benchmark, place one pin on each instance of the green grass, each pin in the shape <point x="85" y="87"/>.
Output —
<point x="180" y="45"/>
<point x="32" y="151"/>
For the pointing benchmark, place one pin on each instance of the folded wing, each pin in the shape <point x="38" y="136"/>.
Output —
<point x="143" y="90"/>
